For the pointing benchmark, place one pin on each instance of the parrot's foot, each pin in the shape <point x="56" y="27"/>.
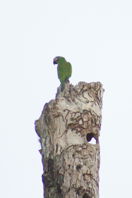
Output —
<point x="67" y="81"/>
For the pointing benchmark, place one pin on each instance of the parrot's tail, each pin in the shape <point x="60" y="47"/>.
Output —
<point x="62" y="86"/>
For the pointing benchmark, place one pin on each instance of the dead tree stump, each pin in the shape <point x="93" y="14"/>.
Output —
<point x="65" y="128"/>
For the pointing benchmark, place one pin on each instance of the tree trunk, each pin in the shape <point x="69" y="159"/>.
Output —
<point x="65" y="128"/>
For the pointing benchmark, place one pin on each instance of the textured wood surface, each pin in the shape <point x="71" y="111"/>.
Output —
<point x="65" y="128"/>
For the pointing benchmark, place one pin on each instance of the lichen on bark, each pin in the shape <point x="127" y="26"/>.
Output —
<point x="65" y="128"/>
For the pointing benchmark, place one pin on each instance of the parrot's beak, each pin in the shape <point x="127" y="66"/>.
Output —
<point x="55" y="61"/>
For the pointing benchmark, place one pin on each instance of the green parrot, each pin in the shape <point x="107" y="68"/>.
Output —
<point x="64" y="70"/>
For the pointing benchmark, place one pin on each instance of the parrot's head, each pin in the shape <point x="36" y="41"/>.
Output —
<point x="58" y="59"/>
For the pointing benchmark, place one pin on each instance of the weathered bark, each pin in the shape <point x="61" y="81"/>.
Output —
<point x="70" y="162"/>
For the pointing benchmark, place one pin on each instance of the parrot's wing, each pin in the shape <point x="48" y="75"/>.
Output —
<point x="68" y="70"/>
<point x="61" y="72"/>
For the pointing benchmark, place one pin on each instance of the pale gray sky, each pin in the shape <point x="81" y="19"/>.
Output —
<point x="96" y="37"/>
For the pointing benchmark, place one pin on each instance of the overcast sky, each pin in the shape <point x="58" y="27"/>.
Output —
<point x="96" y="37"/>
